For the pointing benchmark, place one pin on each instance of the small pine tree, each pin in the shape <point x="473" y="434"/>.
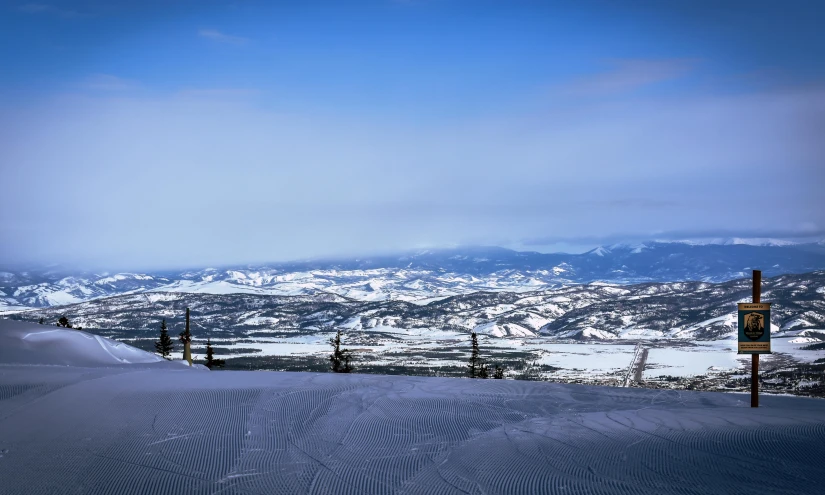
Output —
<point x="340" y="358"/>
<point x="64" y="322"/>
<point x="475" y="361"/>
<point x="482" y="370"/>
<point x="164" y="344"/>
<point x="335" y="357"/>
<point x="347" y="356"/>
<point x="41" y="320"/>
<point x="498" y="374"/>
<point x="529" y="371"/>
<point x="211" y="362"/>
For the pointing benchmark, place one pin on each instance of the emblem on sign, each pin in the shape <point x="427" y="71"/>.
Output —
<point x="754" y="326"/>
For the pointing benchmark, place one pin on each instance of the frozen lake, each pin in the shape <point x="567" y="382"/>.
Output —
<point x="678" y="358"/>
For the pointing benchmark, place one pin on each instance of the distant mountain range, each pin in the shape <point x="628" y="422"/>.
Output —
<point x="425" y="276"/>
<point x="673" y="310"/>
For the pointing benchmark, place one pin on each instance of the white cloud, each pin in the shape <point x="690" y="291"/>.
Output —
<point x="215" y="35"/>
<point x="628" y="75"/>
<point x="40" y="8"/>
<point x="107" y="82"/>
<point x="219" y="93"/>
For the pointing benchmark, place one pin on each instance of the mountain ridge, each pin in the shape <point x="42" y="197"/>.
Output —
<point x="599" y="311"/>
<point x="425" y="274"/>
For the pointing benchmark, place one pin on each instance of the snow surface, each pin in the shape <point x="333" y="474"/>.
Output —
<point x="494" y="329"/>
<point x="26" y="343"/>
<point x="599" y="251"/>
<point x="142" y="428"/>
<point x="694" y="360"/>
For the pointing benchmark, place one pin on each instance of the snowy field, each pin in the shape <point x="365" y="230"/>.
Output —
<point x="575" y="360"/>
<point x="82" y="414"/>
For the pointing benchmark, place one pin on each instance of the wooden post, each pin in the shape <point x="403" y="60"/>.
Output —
<point x="757" y="295"/>
<point x="187" y="347"/>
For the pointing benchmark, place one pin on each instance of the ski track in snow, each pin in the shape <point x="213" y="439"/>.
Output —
<point x="152" y="430"/>
<point x="112" y="421"/>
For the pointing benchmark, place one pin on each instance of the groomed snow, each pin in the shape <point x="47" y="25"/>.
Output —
<point x="148" y="429"/>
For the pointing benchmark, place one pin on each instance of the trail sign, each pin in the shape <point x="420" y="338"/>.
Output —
<point x="754" y="328"/>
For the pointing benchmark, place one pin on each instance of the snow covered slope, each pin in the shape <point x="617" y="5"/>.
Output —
<point x="31" y="344"/>
<point x="141" y="429"/>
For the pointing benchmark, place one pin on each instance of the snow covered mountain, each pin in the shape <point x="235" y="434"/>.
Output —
<point x="425" y="276"/>
<point x="676" y="310"/>
<point x="47" y="291"/>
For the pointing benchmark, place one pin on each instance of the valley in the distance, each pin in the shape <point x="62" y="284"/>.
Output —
<point x="614" y="316"/>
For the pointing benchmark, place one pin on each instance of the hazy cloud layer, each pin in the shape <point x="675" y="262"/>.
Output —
<point x="185" y="177"/>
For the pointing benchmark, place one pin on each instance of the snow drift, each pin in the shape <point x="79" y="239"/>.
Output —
<point x="119" y="428"/>
<point x="26" y="343"/>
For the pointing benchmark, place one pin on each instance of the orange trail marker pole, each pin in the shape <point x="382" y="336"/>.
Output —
<point x="757" y="295"/>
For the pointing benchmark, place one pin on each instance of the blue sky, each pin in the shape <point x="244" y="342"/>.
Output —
<point x="159" y="134"/>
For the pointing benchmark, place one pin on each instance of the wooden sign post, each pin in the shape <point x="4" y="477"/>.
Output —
<point x="757" y="298"/>
<point x="755" y="332"/>
<point x="186" y="338"/>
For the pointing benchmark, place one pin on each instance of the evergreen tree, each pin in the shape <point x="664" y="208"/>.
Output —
<point x="482" y="370"/>
<point x="210" y="356"/>
<point x="164" y="345"/>
<point x="41" y="320"/>
<point x="64" y="322"/>
<point x="529" y="371"/>
<point x="498" y="374"/>
<point x="475" y="361"/>
<point x="335" y="357"/>
<point x="347" y="356"/>
<point x="340" y="358"/>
